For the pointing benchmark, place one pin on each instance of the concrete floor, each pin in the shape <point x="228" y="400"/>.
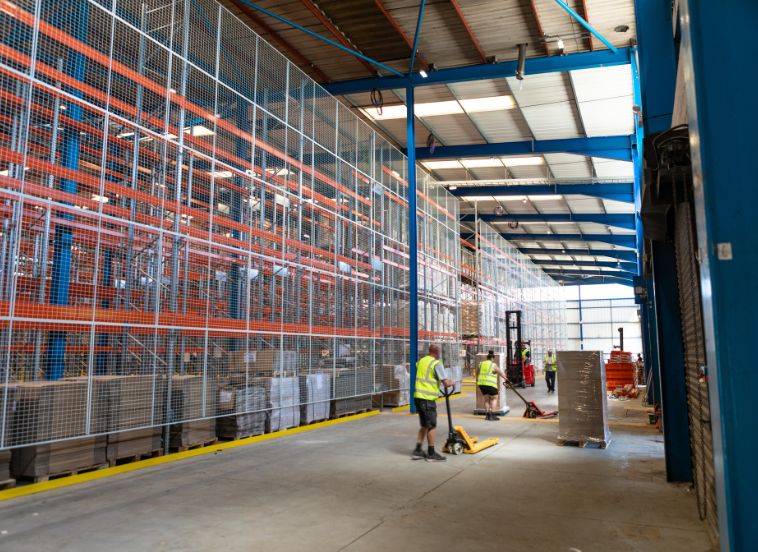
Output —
<point x="353" y="487"/>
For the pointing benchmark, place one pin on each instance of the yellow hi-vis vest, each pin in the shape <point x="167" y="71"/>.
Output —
<point x="427" y="384"/>
<point x="551" y="364"/>
<point x="487" y="376"/>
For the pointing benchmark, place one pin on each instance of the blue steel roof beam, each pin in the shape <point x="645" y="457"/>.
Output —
<point x="619" y="220"/>
<point x="618" y="192"/>
<point x="612" y="147"/>
<point x="569" y="264"/>
<point x="486" y="71"/>
<point x="628" y="240"/>
<point x="585" y="272"/>
<point x="590" y="281"/>
<point x="623" y="256"/>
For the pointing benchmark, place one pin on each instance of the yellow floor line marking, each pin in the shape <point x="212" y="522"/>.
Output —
<point x="34" y="488"/>
<point x="407" y="406"/>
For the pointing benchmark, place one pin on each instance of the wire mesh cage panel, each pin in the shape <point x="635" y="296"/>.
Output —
<point x="193" y="228"/>
<point x="499" y="278"/>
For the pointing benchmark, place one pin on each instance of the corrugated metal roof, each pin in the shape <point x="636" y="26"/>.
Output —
<point x="605" y="97"/>
<point x="609" y="168"/>
<point x="567" y="165"/>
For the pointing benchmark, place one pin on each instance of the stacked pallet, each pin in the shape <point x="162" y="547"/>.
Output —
<point x="134" y="444"/>
<point x="192" y="398"/>
<point x="620" y="370"/>
<point x="394" y="382"/>
<point x="49" y="410"/>
<point x="352" y="391"/>
<point x="5" y="469"/>
<point x="246" y="408"/>
<point x="582" y="399"/>
<point x="469" y="312"/>
<point x="41" y="462"/>
<point x="315" y="392"/>
<point x="283" y="396"/>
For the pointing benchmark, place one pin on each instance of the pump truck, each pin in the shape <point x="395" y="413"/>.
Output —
<point x="460" y="442"/>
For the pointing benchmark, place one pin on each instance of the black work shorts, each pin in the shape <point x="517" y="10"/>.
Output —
<point x="487" y="390"/>
<point x="427" y="413"/>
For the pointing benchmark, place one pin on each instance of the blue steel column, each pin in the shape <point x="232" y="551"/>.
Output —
<point x="676" y="431"/>
<point x="76" y="22"/>
<point x="718" y="44"/>
<point x="412" y="242"/>
<point x="410" y="121"/>
<point x="655" y="82"/>
<point x="654" y="367"/>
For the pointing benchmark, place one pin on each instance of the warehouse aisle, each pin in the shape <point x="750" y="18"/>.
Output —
<point x="353" y="487"/>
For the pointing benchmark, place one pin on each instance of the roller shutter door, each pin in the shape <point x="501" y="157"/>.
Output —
<point x="701" y="439"/>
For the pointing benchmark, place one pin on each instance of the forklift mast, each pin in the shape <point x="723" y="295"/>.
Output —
<point x="514" y="349"/>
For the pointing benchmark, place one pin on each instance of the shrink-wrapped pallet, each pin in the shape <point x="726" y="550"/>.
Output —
<point x="315" y="393"/>
<point x="247" y="408"/>
<point x="582" y="399"/>
<point x="283" y="396"/>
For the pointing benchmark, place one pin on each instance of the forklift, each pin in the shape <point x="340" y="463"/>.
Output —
<point x="519" y="368"/>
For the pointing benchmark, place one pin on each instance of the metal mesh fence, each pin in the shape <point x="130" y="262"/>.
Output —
<point x="192" y="228"/>
<point x="498" y="278"/>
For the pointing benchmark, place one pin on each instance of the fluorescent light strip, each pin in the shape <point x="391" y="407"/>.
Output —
<point x="485" y="163"/>
<point x="492" y="103"/>
<point x="446" y="107"/>
<point x="522" y="161"/>
<point x="449" y="164"/>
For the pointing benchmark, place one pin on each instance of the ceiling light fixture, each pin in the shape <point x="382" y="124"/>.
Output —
<point x="522" y="161"/>
<point x="560" y="44"/>
<point x="423" y="73"/>
<point x="453" y="188"/>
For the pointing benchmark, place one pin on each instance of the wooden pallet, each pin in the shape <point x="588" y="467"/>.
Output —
<point x="584" y="444"/>
<point x="302" y="423"/>
<point x="353" y="413"/>
<point x="194" y="446"/>
<point x="7" y="484"/>
<point x="51" y="476"/>
<point x="134" y="458"/>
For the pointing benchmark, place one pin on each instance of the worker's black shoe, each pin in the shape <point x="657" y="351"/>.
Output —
<point x="436" y="457"/>
<point x="418" y="454"/>
<point x="494" y="418"/>
<point x="488" y="416"/>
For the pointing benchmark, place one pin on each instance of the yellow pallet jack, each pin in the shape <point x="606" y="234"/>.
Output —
<point x="460" y="442"/>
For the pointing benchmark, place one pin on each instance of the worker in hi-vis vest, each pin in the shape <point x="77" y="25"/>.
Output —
<point x="487" y="382"/>
<point x="429" y="374"/>
<point x="550" y="364"/>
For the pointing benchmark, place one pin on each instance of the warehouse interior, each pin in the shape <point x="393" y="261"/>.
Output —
<point x="238" y="236"/>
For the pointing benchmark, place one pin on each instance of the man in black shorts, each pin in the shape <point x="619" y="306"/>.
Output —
<point x="487" y="382"/>
<point x="429" y="374"/>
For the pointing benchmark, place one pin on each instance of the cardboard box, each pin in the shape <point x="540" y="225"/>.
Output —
<point x="49" y="410"/>
<point x="190" y="434"/>
<point x="191" y="398"/>
<point x="58" y="458"/>
<point x="5" y="465"/>
<point x="265" y="362"/>
<point x="123" y="402"/>
<point x="137" y="442"/>
<point x="469" y="312"/>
